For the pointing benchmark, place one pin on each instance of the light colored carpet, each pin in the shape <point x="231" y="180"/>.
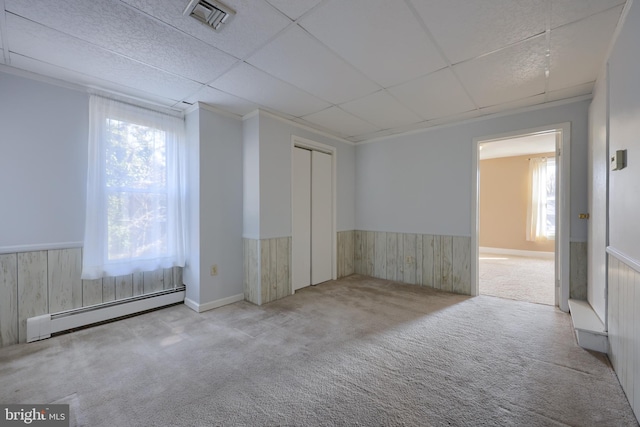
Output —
<point x="358" y="351"/>
<point x="519" y="278"/>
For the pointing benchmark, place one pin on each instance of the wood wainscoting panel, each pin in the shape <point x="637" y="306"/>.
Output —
<point x="33" y="296"/>
<point x="64" y="267"/>
<point x="8" y="299"/>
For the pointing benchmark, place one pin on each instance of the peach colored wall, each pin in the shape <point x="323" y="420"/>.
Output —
<point x="504" y="194"/>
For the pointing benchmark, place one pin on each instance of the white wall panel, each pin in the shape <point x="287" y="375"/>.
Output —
<point x="624" y="96"/>
<point x="301" y="220"/>
<point x="321" y="217"/>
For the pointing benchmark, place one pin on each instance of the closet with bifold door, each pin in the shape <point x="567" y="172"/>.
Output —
<point x="312" y="217"/>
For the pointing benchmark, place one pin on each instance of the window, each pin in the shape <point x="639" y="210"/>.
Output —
<point x="541" y="212"/>
<point x="135" y="195"/>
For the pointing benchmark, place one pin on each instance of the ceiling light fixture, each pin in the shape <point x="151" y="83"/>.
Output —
<point x="210" y="12"/>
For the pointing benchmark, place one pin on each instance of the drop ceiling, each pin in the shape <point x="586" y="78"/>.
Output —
<point x="358" y="69"/>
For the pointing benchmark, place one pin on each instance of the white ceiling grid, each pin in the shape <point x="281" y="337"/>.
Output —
<point x="298" y="58"/>
<point x="384" y="42"/>
<point x="434" y="96"/>
<point x="254" y="23"/>
<point x="294" y="9"/>
<point x="342" y="122"/>
<point x="248" y="82"/>
<point x="577" y="47"/>
<point x="64" y="51"/>
<point x="382" y="109"/>
<point x="359" y="69"/>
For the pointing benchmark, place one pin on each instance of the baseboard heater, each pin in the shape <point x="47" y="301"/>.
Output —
<point x="42" y="327"/>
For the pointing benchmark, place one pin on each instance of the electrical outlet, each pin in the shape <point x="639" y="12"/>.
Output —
<point x="214" y="270"/>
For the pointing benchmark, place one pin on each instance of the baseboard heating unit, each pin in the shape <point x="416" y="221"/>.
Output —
<point x="42" y="327"/>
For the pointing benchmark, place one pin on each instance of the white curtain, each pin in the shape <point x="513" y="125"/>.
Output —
<point x="536" y="209"/>
<point x="135" y="211"/>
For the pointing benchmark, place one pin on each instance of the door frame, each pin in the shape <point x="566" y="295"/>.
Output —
<point x="563" y="207"/>
<point x="308" y="144"/>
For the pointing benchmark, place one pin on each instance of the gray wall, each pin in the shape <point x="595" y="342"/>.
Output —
<point x="192" y="260"/>
<point x="215" y="206"/>
<point x="43" y="164"/>
<point x="251" y="182"/>
<point x="220" y="206"/>
<point x="275" y="176"/>
<point x="421" y="182"/>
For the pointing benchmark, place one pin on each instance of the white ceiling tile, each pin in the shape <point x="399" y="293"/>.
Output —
<point x="578" y="49"/>
<point x="294" y="9"/>
<point x="116" y="27"/>
<point x="565" y="11"/>
<point x="49" y="70"/>
<point x="465" y="29"/>
<point x="437" y="95"/>
<point x="385" y="41"/>
<point x="298" y="58"/>
<point x="254" y="23"/>
<point x="571" y="92"/>
<point x="509" y="106"/>
<point x="509" y="74"/>
<point x="381" y="109"/>
<point x="223" y="101"/>
<point x="340" y="121"/>
<point x="257" y="86"/>
<point x="36" y="41"/>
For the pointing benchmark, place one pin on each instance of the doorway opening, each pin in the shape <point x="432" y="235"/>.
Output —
<point x="521" y="222"/>
<point x="518" y="218"/>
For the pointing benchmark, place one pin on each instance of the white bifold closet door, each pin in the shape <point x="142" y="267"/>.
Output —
<point x="312" y="218"/>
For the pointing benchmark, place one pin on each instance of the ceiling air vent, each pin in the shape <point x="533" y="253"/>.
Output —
<point x="210" y="12"/>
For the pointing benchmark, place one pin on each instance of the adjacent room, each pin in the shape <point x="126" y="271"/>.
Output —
<point x="319" y="212"/>
<point x="517" y="218"/>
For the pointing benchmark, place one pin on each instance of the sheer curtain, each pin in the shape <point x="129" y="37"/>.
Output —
<point x="135" y="211"/>
<point x="536" y="209"/>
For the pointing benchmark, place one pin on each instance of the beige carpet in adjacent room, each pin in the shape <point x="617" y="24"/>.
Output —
<point x="519" y="278"/>
<point x="357" y="351"/>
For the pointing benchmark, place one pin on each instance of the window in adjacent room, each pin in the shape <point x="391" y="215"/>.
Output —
<point x="135" y="194"/>
<point x="541" y="211"/>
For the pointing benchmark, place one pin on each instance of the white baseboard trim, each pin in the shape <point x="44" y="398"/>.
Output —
<point x="517" y="252"/>
<point x="199" y="308"/>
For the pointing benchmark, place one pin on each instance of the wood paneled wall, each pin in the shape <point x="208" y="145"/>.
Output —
<point x="346" y="252"/>
<point x="624" y="327"/>
<point x="578" y="270"/>
<point x="267" y="272"/>
<point x="42" y="282"/>
<point x="440" y="262"/>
